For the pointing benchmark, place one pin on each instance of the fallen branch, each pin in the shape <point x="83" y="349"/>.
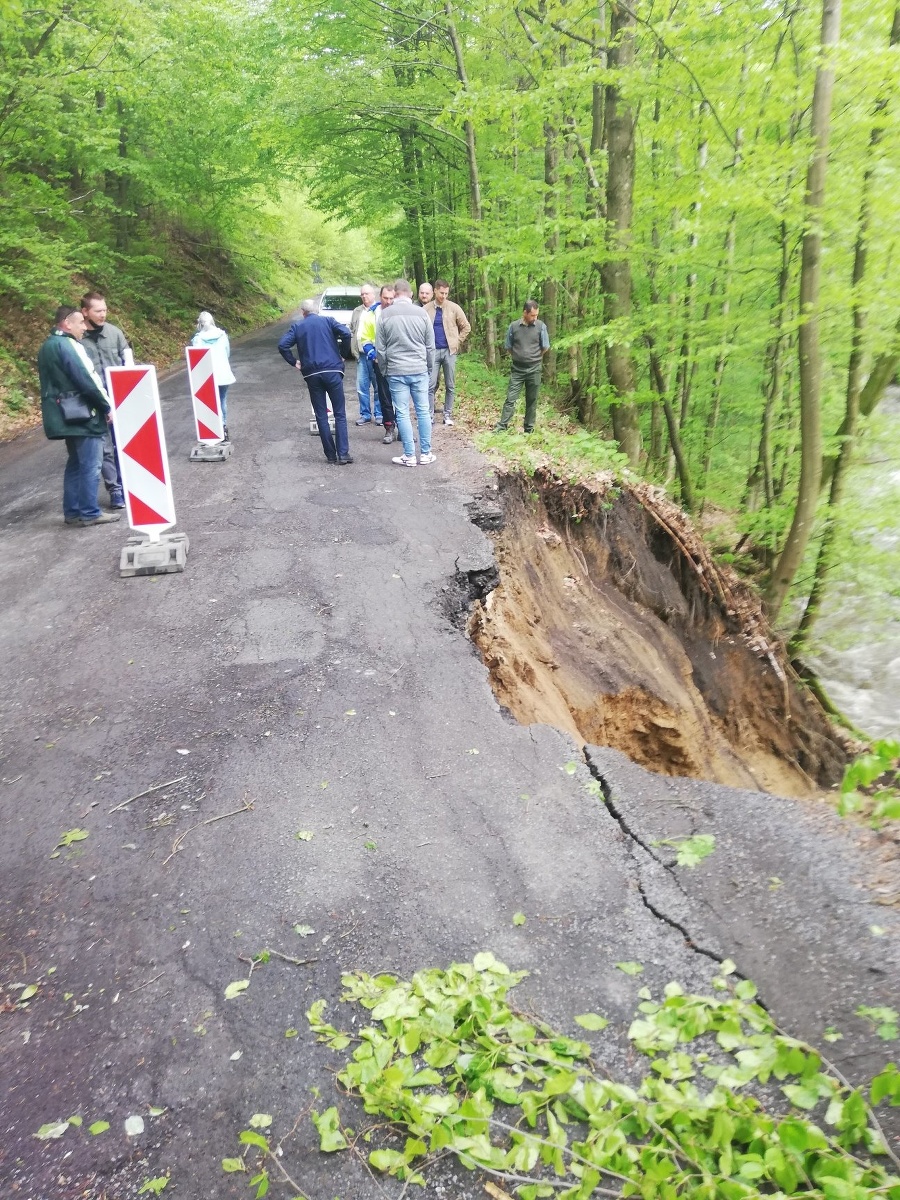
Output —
<point x="246" y="807"/>
<point x="298" y="962"/>
<point x="156" y="787"/>
<point x="147" y="984"/>
<point x="178" y="844"/>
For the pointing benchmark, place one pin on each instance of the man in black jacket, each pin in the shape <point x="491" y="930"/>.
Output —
<point x="66" y="373"/>
<point x="318" y="340"/>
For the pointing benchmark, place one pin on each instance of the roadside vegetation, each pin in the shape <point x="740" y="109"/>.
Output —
<point x="723" y="1105"/>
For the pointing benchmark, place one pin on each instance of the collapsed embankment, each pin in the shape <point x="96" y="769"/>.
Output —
<point x="611" y="621"/>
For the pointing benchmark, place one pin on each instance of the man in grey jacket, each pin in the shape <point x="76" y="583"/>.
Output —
<point x="404" y="342"/>
<point x="106" y="346"/>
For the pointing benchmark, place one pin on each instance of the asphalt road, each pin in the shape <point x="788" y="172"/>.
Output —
<point x="305" y="663"/>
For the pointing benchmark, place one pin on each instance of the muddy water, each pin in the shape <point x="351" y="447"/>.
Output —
<point x="856" y="649"/>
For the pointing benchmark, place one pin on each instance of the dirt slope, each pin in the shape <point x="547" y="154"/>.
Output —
<point x="612" y="623"/>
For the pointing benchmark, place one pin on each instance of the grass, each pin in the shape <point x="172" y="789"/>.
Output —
<point x="558" y="443"/>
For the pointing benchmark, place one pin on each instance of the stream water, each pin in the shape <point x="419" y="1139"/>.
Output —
<point x="856" y="647"/>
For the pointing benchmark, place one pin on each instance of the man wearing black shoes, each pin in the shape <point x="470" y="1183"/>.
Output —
<point x="318" y="340"/>
<point x="75" y="409"/>
<point x="527" y="341"/>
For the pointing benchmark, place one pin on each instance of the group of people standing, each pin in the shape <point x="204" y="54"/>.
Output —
<point x="400" y="349"/>
<point x="75" y="406"/>
<point x="401" y="352"/>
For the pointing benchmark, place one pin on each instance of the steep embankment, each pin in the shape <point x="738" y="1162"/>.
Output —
<point x="611" y="621"/>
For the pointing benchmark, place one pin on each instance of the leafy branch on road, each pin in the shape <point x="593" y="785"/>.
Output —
<point x="731" y="1108"/>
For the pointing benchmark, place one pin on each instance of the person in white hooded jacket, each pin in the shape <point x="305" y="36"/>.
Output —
<point x="210" y="336"/>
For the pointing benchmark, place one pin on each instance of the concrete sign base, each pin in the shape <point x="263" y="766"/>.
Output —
<point x="215" y="452"/>
<point x="165" y="557"/>
<point x="314" y="425"/>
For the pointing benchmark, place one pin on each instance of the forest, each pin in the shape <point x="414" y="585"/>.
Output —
<point x="700" y="195"/>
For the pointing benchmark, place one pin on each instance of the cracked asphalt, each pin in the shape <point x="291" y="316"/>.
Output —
<point x="303" y="675"/>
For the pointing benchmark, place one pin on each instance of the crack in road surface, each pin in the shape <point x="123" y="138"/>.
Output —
<point x="420" y="760"/>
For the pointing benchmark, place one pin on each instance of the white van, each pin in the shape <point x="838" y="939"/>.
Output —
<point x="339" y="302"/>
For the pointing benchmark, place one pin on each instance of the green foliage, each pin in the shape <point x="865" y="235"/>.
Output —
<point x="884" y="1020"/>
<point x="689" y="851"/>
<point x="453" y="1067"/>
<point x="871" y="784"/>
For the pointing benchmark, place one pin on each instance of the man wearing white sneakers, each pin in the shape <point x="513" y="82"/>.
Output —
<point x="404" y="342"/>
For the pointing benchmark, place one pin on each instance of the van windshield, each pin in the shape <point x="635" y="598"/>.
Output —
<point x="343" y="302"/>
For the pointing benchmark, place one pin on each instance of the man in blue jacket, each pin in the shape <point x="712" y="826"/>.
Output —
<point x="67" y="374"/>
<point x="318" y="341"/>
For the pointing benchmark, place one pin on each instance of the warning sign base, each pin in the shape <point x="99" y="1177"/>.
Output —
<point x="216" y="452"/>
<point x="314" y="425"/>
<point x="165" y="557"/>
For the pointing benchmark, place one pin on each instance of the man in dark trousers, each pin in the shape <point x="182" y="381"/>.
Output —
<point x="527" y="341"/>
<point x="318" y="340"/>
<point x="75" y="409"/>
<point x="106" y="346"/>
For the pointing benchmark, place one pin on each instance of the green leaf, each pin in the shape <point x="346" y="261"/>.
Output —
<point x="249" y="1137"/>
<point x="235" y="989"/>
<point x="304" y="930"/>
<point x="28" y="992"/>
<point x="801" y="1095"/>
<point x="71" y="836"/>
<point x="630" y="968"/>
<point x="689" y="851"/>
<point x="53" y="1129"/>
<point x="518" y="918"/>
<point x="304" y="835"/>
<point x="329" y="1126"/>
<point x="231" y="1165"/>
<point x="390" y="1161"/>
<point x="98" y="1127"/>
<point x="592" y="1021"/>
<point x="157" y="1185"/>
<point x="291" y="1033"/>
<point x="260" y="1121"/>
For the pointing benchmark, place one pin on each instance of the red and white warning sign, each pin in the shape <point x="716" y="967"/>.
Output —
<point x="141" y="443"/>
<point x="205" y="395"/>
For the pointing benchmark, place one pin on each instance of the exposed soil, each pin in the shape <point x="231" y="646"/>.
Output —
<point x="612" y="622"/>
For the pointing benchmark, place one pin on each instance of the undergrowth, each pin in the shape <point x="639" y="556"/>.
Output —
<point x="871" y="784"/>
<point x="558" y="443"/>
<point x="731" y="1107"/>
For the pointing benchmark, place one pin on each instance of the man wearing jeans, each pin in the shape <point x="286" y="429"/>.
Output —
<point x="106" y="346"/>
<point x="67" y="374"/>
<point x="450" y="331"/>
<point x="404" y="342"/>
<point x="322" y="366"/>
<point x="365" y="375"/>
<point x="527" y="341"/>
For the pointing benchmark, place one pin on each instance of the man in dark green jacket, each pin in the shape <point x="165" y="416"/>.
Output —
<point x="66" y="370"/>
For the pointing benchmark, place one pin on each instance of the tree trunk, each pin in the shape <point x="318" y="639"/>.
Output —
<point x="414" y="243"/>
<point x="490" y="328"/>
<point x="551" y="241"/>
<point x="615" y="272"/>
<point x="659" y="383"/>
<point x="854" y="383"/>
<point x="810" y="359"/>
